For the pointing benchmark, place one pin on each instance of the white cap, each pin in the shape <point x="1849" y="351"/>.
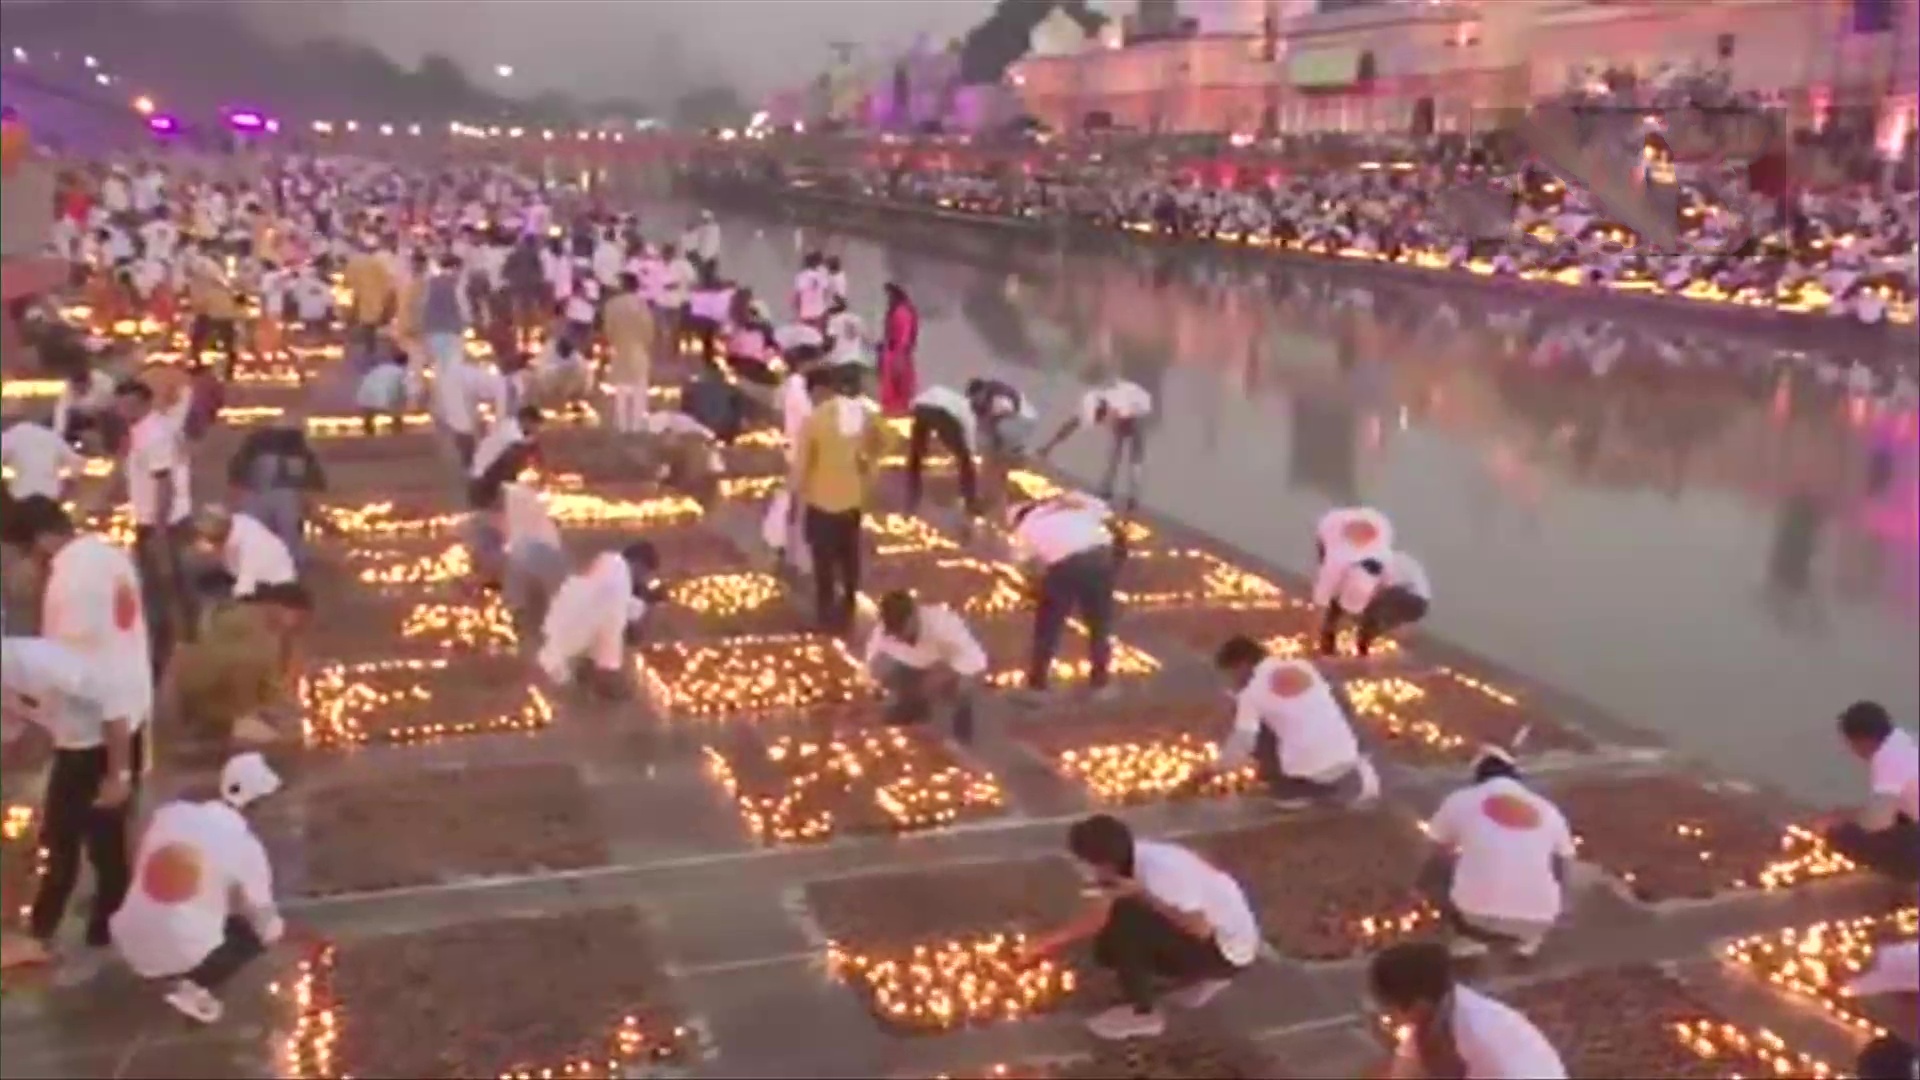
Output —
<point x="247" y="777"/>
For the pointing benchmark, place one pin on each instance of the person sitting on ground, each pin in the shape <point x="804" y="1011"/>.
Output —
<point x="1286" y="717"/>
<point x="592" y="616"/>
<point x="249" y="552"/>
<point x="1883" y="835"/>
<point x="383" y="390"/>
<point x="202" y="904"/>
<point x="1503" y="858"/>
<point x="1453" y="1030"/>
<point x="238" y="682"/>
<point x="1165" y="915"/>
<point x="687" y="455"/>
<point x="926" y="657"/>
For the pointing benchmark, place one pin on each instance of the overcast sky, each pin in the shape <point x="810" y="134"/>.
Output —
<point x="647" y="49"/>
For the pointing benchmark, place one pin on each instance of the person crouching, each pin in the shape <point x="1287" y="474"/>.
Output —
<point x="926" y="658"/>
<point x="1503" y="858"/>
<point x="591" y="616"/>
<point x="1164" y="915"/>
<point x="1286" y="717"/>
<point x="1384" y="594"/>
<point x="202" y="903"/>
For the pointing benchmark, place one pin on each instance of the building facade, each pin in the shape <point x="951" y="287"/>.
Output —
<point x="1292" y="67"/>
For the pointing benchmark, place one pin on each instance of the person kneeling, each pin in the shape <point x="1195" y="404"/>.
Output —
<point x="1286" y="716"/>
<point x="1165" y="915"/>
<point x="591" y="616"/>
<point x="926" y="658"/>
<point x="198" y="862"/>
<point x="244" y="668"/>
<point x="1883" y="835"/>
<point x="1503" y="860"/>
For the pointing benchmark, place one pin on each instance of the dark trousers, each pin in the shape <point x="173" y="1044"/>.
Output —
<point x="1892" y="852"/>
<point x="71" y="823"/>
<point x="932" y="423"/>
<point x="1393" y="606"/>
<point x="240" y="947"/>
<point x="1266" y="764"/>
<point x="1143" y="947"/>
<point x="169" y="600"/>
<point x="916" y="693"/>
<point x="1129" y="443"/>
<point x="1082" y="584"/>
<point x="206" y="332"/>
<point x="754" y="370"/>
<point x="834" y="540"/>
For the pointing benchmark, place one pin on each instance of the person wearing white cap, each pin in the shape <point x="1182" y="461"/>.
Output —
<point x="1287" y="719"/>
<point x="202" y="904"/>
<point x="1504" y="855"/>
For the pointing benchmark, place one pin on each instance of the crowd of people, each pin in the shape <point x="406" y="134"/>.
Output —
<point x="495" y="302"/>
<point x="1845" y="251"/>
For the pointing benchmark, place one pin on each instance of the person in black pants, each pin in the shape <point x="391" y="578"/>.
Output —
<point x="833" y="539"/>
<point x="73" y="824"/>
<point x="1070" y="550"/>
<point x="945" y="415"/>
<point x="1882" y="836"/>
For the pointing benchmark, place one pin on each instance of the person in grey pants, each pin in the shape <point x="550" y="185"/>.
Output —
<point x="276" y="472"/>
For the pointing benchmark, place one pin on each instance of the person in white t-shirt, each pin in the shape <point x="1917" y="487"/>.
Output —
<point x="1384" y="594"/>
<point x="1164" y="914"/>
<point x="1504" y="856"/>
<point x="944" y="414"/>
<point x="1884" y="834"/>
<point x="250" y="553"/>
<point x="592" y="615"/>
<point x="1352" y="546"/>
<point x="39" y="460"/>
<point x="811" y="289"/>
<point x="92" y="607"/>
<point x="1123" y="408"/>
<point x="1286" y="718"/>
<point x="202" y="906"/>
<point x="1067" y="546"/>
<point x="676" y="285"/>
<point x="926" y="658"/>
<point x="158" y="478"/>
<point x="1450" y="1029"/>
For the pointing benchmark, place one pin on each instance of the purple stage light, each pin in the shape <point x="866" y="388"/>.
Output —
<point x="162" y="124"/>
<point x="246" y="120"/>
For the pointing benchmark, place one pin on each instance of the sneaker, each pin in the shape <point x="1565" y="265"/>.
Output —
<point x="1528" y="948"/>
<point x="1197" y="995"/>
<point x="1462" y="947"/>
<point x="1369" y="783"/>
<point x="1124" y="1022"/>
<point x="195" y="1002"/>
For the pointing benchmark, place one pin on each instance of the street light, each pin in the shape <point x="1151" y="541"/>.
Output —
<point x="143" y="105"/>
<point x="505" y="71"/>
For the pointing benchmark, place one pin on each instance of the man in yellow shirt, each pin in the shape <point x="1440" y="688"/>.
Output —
<point x="836" y="460"/>
<point x="371" y="283"/>
<point x="216" y="313"/>
<point x="631" y="335"/>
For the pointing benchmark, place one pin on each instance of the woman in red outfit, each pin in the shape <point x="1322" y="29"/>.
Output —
<point x="902" y="333"/>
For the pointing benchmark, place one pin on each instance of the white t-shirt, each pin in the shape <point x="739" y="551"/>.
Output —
<point x="1494" y="1040"/>
<point x="810" y="294"/>
<point x="795" y="406"/>
<point x="1123" y="401"/>
<point x="525" y="518"/>
<point x="1894" y="772"/>
<point x="710" y="304"/>
<point x="1347" y="537"/>
<point x="256" y="557"/>
<point x="675" y="280"/>
<point x="1507" y="839"/>
<point x="53" y="686"/>
<point x="154" y="446"/>
<point x="953" y="403"/>
<point x="1295" y="703"/>
<point x="1062" y="527"/>
<point x="192" y="858"/>
<point x="504" y="434"/>
<point x="92" y="605"/>
<point x="1182" y="880"/>
<point x="37" y="458"/>
<point x="944" y="639"/>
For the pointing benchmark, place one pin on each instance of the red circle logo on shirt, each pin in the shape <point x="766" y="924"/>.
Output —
<point x="1511" y="812"/>
<point x="1290" y="681"/>
<point x="1360" y="533"/>
<point x="126" y="605"/>
<point x="171" y="874"/>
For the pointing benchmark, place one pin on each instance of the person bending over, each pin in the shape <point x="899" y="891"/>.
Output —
<point x="926" y="658"/>
<point x="1882" y="835"/>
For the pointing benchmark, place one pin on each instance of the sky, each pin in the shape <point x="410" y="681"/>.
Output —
<point x="646" y="49"/>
